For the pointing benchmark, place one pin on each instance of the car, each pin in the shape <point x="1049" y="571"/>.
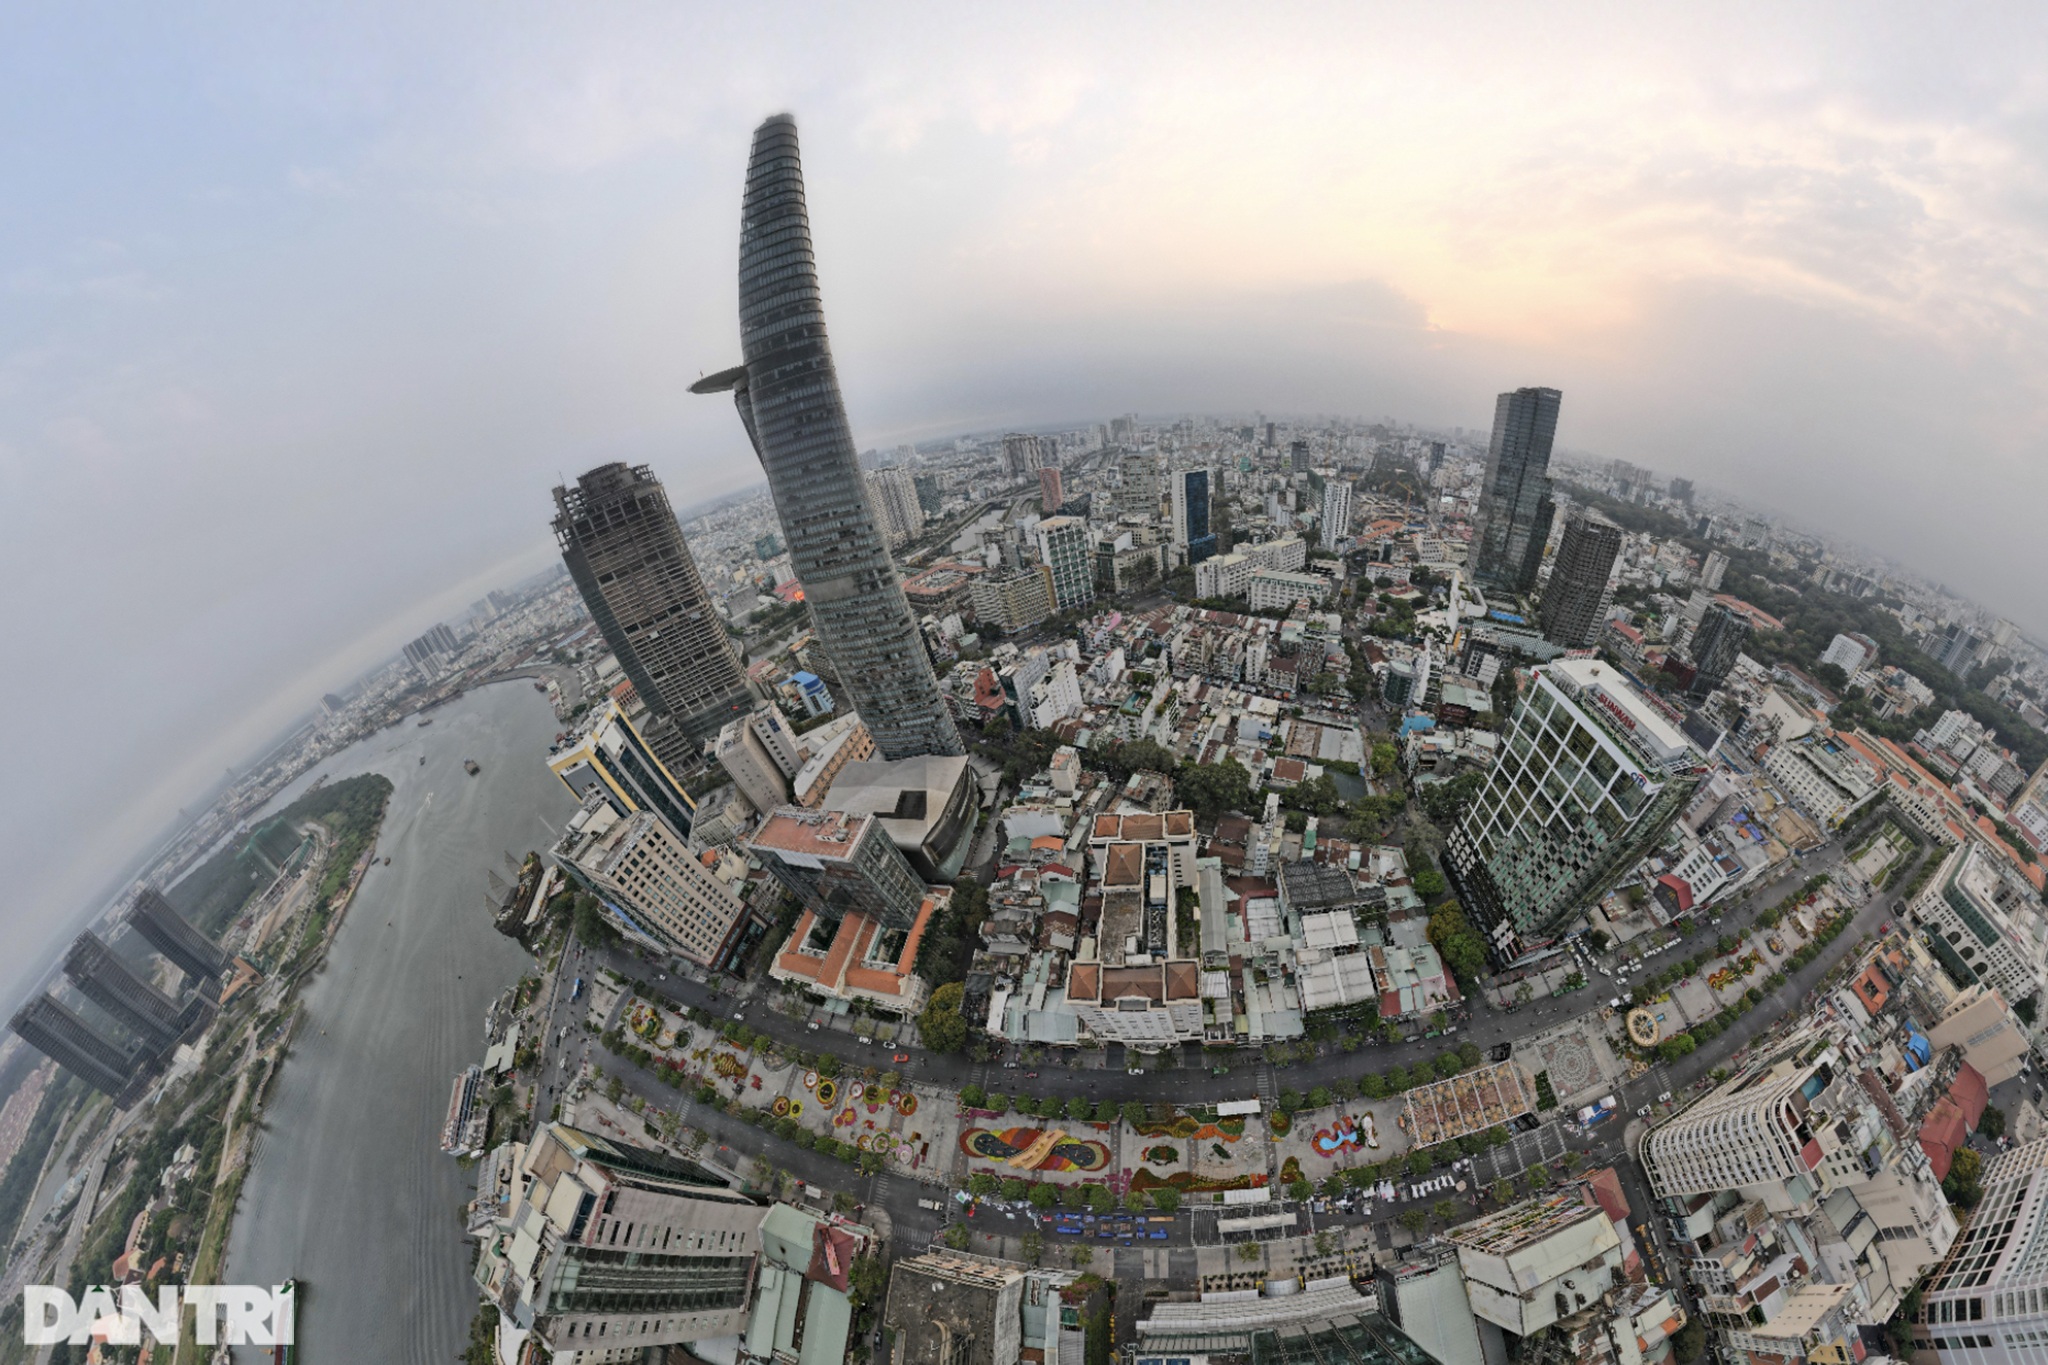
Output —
<point x="866" y="1042"/>
<point x="900" y="1057"/>
<point x="1010" y="1066"/>
<point x="1031" y="1075"/>
<point x="1134" y="1071"/>
<point x="1664" y="1098"/>
<point x="739" y="1014"/>
<point x="1615" y="1003"/>
<point x="1885" y="928"/>
<point x="812" y="1026"/>
<point x="1643" y="1112"/>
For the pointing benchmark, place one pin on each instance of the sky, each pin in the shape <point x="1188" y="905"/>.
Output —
<point x="303" y="311"/>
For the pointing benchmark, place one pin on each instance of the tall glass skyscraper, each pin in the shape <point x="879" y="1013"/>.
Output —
<point x="787" y="393"/>
<point x="623" y="547"/>
<point x="1515" y="509"/>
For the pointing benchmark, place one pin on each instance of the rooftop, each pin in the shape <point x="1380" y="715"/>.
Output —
<point x="828" y="835"/>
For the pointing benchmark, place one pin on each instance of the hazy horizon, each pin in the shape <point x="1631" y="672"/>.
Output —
<point x="307" y="313"/>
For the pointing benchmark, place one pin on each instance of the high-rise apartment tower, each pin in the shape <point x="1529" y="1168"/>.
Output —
<point x="1515" y="509"/>
<point x="787" y="393"/>
<point x="623" y="547"/>
<point x="1575" y="599"/>
<point x="167" y="931"/>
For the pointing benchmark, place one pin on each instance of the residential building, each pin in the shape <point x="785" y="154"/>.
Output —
<point x="898" y="512"/>
<point x="610" y="1248"/>
<point x="1979" y="1023"/>
<point x="63" y="1035"/>
<point x="1851" y="653"/>
<point x="1188" y="491"/>
<point x="658" y="891"/>
<point x="1051" y="490"/>
<point x="628" y="558"/>
<point x="1271" y="589"/>
<point x="1335" y="525"/>
<point x="606" y="753"/>
<point x="1752" y="1133"/>
<point x="427" y="651"/>
<point x="1138" y="473"/>
<point x="1985" y="922"/>
<point x="1513" y="519"/>
<point x="1042" y="689"/>
<point x="1825" y="778"/>
<point x="1064" y="549"/>
<point x="1719" y="639"/>
<point x="1011" y="600"/>
<point x="837" y="864"/>
<point x="1230" y="575"/>
<point x="1590" y="775"/>
<point x="1713" y="571"/>
<point x="167" y="931"/>
<point x="787" y="393"/>
<point x="104" y="978"/>
<point x="955" y="1308"/>
<point x="1576" y="599"/>
<point x="1023" y="455"/>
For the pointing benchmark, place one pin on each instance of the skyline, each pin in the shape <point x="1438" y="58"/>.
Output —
<point x="319" y="281"/>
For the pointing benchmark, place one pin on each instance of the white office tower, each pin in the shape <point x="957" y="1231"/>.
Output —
<point x="1336" y="524"/>
<point x="1988" y="1303"/>
<point x="761" y="754"/>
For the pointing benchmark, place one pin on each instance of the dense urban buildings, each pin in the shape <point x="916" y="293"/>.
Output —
<point x="1515" y="509"/>
<point x="625" y="551"/>
<point x="787" y="393"/>
<point x="1715" y="645"/>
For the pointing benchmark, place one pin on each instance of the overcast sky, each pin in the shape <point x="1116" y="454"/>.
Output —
<point x="301" y="317"/>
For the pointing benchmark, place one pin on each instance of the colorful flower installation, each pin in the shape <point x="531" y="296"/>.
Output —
<point x="1163" y="1155"/>
<point x="1187" y="1182"/>
<point x="855" y="1091"/>
<point x="780" y="1107"/>
<point x="828" y="1091"/>
<point x="1342" y="1133"/>
<point x="796" y="1107"/>
<point x="810" y="1080"/>
<point x="845" y="1118"/>
<point x="728" y="1066"/>
<point x="906" y="1103"/>
<point x="1072" y="1154"/>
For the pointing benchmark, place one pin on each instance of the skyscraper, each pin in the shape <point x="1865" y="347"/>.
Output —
<point x="167" y="931"/>
<point x="1721" y="635"/>
<point x="787" y="393"/>
<point x="62" y="1034"/>
<point x="1515" y="510"/>
<point x="608" y="754"/>
<point x="1138" y="475"/>
<point x="120" y="990"/>
<point x="1336" y="522"/>
<point x="1591" y="773"/>
<point x="1575" y="599"/>
<point x="897" y="509"/>
<point x="623" y="547"/>
<point x="1298" y="455"/>
<point x="1191" y="535"/>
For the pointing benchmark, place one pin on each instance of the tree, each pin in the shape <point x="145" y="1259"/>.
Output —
<point x="956" y="1237"/>
<point x="1464" y="951"/>
<point x="1079" y="1109"/>
<point x="1397" y="1080"/>
<point x="1034" y="1245"/>
<point x="1100" y="1200"/>
<point x="1134" y="1112"/>
<point x="1688" y="1341"/>
<point x="1134" y="1202"/>
<point x="1384" y="754"/>
<point x="981" y="1184"/>
<point x="1503" y="1192"/>
<point x="1300" y="1190"/>
<point x="1418" y="1163"/>
<point x="1014" y="1189"/>
<point x="1165" y="1198"/>
<point x="973" y="1096"/>
<point x="1445" y="1210"/>
<point x="592" y="926"/>
<point x="1373" y="1087"/>
<point x="1445" y="801"/>
<point x="1106" y="1112"/>
<point x="1073" y="1196"/>
<point x="940" y="1026"/>
<point x="1960" y="1185"/>
<point x="1248" y="1252"/>
<point x="1043" y="1196"/>
<point x="1415" y="1219"/>
<point x="1992" y="1124"/>
<point x="1539" y="1176"/>
<point x="1213" y="788"/>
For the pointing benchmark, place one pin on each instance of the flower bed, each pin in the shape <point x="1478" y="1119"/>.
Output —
<point x="1187" y="1182"/>
<point x="1163" y="1155"/>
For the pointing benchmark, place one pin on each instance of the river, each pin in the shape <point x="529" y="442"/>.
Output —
<point x="349" y="1190"/>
